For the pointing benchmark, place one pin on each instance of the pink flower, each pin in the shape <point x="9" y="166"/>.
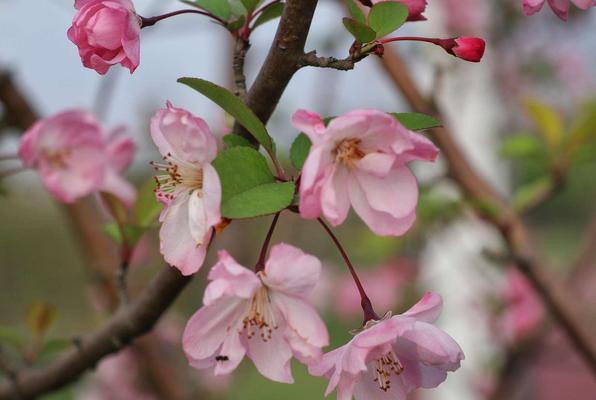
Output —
<point x="75" y="157"/>
<point x="360" y="160"/>
<point x="415" y="8"/>
<point x="189" y="187"/>
<point x="389" y="358"/>
<point x="559" y="7"/>
<point x="467" y="48"/>
<point x="106" y="33"/>
<point x="263" y="315"/>
<point x="523" y="311"/>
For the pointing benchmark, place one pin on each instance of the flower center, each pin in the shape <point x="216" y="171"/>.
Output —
<point x="384" y="368"/>
<point x="177" y="175"/>
<point x="57" y="159"/>
<point x="347" y="152"/>
<point x="259" y="316"/>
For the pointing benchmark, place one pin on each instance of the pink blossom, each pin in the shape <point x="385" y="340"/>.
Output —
<point x="189" y="188"/>
<point x="415" y="8"/>
<point x="523" y="311"/>
<point x="76" y="157"/>
<point x="106" y="33"/>
<point x="467" y="48"/>
<point x="359" y="160"/>
<point x="264" y="315"/>
<point x="559" y="7"/>
<point x="389" y="358"/>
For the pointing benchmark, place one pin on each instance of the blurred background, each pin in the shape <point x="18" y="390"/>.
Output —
<point x="526" y="116"/>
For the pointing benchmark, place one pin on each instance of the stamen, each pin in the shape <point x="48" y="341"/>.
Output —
<point x="259" y="316"/>
<point x="386" y="366"/>
<point x="177" y="175"/>
<point x="347" y="152"/>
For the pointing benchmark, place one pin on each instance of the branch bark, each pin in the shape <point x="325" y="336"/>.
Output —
<point x="140" y="316"/>
<point x="492" y="207"/>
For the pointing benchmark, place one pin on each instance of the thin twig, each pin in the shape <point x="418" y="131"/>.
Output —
<point x="263" y="254"/>
<point x="311" y="59"/>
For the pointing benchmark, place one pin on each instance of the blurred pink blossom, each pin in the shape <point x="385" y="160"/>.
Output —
<point x="106" y="33"/>
<point x="76" y="157"/>
<point x="559" y="7"/>
<point x="360" y="160"/>
<point x="415" y="8"/>
<point x="390" y="358"/>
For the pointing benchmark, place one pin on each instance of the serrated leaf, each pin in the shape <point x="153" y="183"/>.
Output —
<point x="299" y="150"/>
<point x="547" y="120"/>
<point x="260" y="200"/>
<point x="356" y="12"/>
<point x="385" y="17"/>
<point x="417" y="121"/>
<point x="361" y="32"/>
<point x="235" y="107"/>
<point x="523" y="146"/>
<point x="269" y="14"/>
<point x="237" y="24"/>
<point x="147" y="208"/>
<point x="240" y="169"/>
<point x="40" y="317"/>
<point x="526" y="195"/>
<point x="218" y="8"/>
<point x="232" y="140"/>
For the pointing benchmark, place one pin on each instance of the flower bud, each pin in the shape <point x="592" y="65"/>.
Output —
<point x="467" y="48"/>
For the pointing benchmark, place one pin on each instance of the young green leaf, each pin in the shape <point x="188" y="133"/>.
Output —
<point x="387" y="16"/>
<point x="416" y="121"/>
<point x="528" y="194"/>
<point x="523" y="146"/>
<point x="547" y="120"/>
<point x="269" y="14"/>
<point x="260" y="200"/>
<point x="240" y="169"/>
<point x="232" y="140"/>
<point x="299" y="150"/>
<point x="361" y="32"/>
<point x="147" y="208"/>
<point x="235" y="107"/>
<point x="218" y="8"/>
<point x="40" y="317"/>
<point x="250" y="5"/>
<point x="132" y="232"/>
<point x="356" y="12"/>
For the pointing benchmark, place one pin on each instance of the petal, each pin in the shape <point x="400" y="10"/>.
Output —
<point x="427" y="309"/>
<point x="272" y="357"/>
<point x="289" y="270"/>
<point x="120" y="149"/>
<point x="310" y="123"/>
<point x="417" y="375"/>
<point x="422" y="149"/>
<point x="206" y="329"/>
<point x="335" y="202"/>
<point x="211" y="194"/>
<point x="396" y="194"/>
<point x="115" y="184"/>
<point x="532" y="6"/>
<point x="560" y="8"/>
<point x="302" y="318"/>
<point x="231" y="353"/>
<point x="230" y="279"/>
<point x="367" y="388"/>
<point x="379" y="222"/>
<point x="377" y="164"/>
<point x="197" y="220"/>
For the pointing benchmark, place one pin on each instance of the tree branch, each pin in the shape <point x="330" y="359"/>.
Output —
<point x="311" y="59"/>
<point x="240" y="49"/>
<point x="492" y="207"/>
<point x="17" y="112"/>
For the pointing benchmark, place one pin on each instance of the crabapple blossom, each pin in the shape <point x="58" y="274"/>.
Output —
<point x="360" y="160"/>
<point x="189" y="186"/>
<point x="263" y="315"/>
<point x="467" y="48"/>
<point x="390" y="357"/>
<point x="75" y="156"/>
<point x="559" y="7"/>
<point x="415" y="8"/>
<point x="106" y="33"/>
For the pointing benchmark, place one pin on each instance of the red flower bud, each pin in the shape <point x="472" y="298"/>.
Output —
<point x="466" y="48"/>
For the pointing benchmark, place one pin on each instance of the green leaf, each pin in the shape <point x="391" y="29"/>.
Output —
<point x="237" y="24"/>
<point x="147" y="208"/>
<point x="219" y="8"/>
<point x="258" y="201"/>
<point x="250" y="5"/>
<point x="232" y="140"/>
<point x="240" y="169"/>
<point x="269" y="14"/>
<point x="132" y="232"/>
<point x="387" y="16"/>
<point x="356" y="12"/>
<point x="51" y="348"/>
<point x="417" y="121"/>
<point x="361" y="32"/>
<point x="237" y="7"/>
<point x="12" y="336"/>
<point x="526" y="195"/>
<point x="523" y="146"/>
<point x="547" y="120"/>
<point x="583" y="129"/>
<point x="299" y="151"/>
<point x="234" y="106"/>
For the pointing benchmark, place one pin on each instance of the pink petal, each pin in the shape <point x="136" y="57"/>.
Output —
<point x="230" y="279"/>
<point x="427" y="309"/>
<point x="115" y="184"/>
<point x="310" y="123"/>
<point x="560" y="8"/>
<point x="233" y="350"/>
<point x="335" y="202"/>
<point x="532" y="6"/>
<point x="377" y="164"/>
<point x="367" y="388"/>
<point x="120" y="149"/>
<point x="211" y="194"/>
<point x="272" y="358"/>
<point x="289" y="270"/>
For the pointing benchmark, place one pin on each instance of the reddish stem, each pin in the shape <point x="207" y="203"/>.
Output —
<point x="261" y="262"/>
<point x="367" y="308"/>
<point x="150" y="21"/>
<point x="436" y="41"/>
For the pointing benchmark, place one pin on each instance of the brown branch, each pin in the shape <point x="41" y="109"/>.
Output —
<point x="240" y="49"/>
<point x="491" y="206"/>
<point x="282" y="62"/>
<point x="140" y="316"/>
<point x="311" y="59"/>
